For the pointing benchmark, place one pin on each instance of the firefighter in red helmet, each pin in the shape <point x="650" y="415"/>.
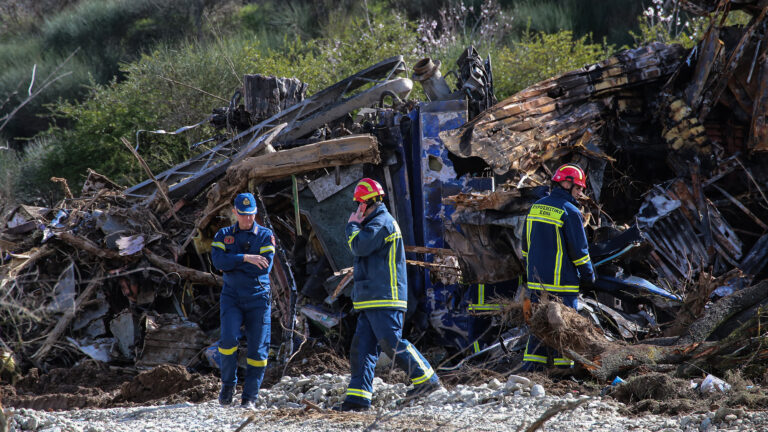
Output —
<point x="556" y="254"/>
<point x="380" y="296"/>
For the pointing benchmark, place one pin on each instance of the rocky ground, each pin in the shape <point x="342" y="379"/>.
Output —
<point x="512" y="405"/>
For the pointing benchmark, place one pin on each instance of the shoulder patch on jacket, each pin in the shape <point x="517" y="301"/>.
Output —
<point x="229" y="239"/>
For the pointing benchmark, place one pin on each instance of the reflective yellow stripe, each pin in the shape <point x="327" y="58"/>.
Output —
<point x="533" y="357"/>
<point x="428" y="372"/>
<point x="555" y="222"/>
<point x="227" y="351"/>
<point x="370" y="188"/>
<point x="558" y="257"/>
<point x="257" y="363"/>
<point x="481" y="294"/>
<point x="583" y="260"/>
<point x="391" y="261"/>
<point x="559" y="361"/>
<point x="525" y="254"/>
<point x="553" y="288"/>
<point x="477" y="346"/>
<point x="219" y="245"/>
<point x="352" y="237"/>
<point x="528" y="225"/>
<point x="483" y="307"/>
<point x="393" y="236"/>
<point x="266" y="249"/>
<point x="380" y="304"/>
<point x="359" y="393"/>
<point x="424" y="378"/>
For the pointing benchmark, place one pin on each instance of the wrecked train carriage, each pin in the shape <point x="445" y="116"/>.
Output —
<point x="638" y="117"/>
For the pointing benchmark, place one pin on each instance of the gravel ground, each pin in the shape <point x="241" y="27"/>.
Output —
<point x="494" y="406"/>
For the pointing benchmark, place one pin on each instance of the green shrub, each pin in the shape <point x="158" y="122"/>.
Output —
<point x="540" y="56"/>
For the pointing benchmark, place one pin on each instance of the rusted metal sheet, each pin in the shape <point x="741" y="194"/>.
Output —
<point x="486" y="232"/>
<point x="670" y="221"/>
<point x="559" y="111"/>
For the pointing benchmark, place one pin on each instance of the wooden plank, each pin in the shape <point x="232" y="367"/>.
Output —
<point x="758" y="133"/>
<point x="349" y="150"/>
<point x="430" y="250"/>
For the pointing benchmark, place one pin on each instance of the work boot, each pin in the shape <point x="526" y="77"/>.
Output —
<point x="422" y="390"/>
<point x="349" y="406"/>
<point x="249" y="404"/>
<point x="225" y="395"/>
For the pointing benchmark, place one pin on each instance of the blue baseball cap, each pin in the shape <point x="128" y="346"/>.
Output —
<point x="245" y="204"/>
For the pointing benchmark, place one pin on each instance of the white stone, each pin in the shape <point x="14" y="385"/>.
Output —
<point x="538" y="391"/>
<point x="523" y="381"/>
<point x="494" y="384"/>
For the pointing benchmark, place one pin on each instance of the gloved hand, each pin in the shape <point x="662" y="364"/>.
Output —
<point x="587" y="281"/>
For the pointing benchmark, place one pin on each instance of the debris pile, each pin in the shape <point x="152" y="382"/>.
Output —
<point x="673" y="141"/>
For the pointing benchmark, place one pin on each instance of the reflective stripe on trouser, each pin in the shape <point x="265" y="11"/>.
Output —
<point x="382" y="330"/>
<point x="255" y="314"/>
<point x="538" y="354"/>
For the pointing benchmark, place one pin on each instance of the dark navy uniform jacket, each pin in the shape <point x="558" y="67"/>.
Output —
<point x="379" y="265"/>
<point x="555" y="244"/>
<point x="242" y="279"/>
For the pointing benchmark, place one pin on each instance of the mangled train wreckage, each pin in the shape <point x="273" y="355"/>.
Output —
<point x="673" y="140"/>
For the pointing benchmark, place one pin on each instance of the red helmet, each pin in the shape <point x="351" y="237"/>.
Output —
<point x="571" y="172"/>
<point x="367" y="189"/>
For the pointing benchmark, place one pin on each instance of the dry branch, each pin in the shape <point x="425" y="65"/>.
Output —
<point x="160" y="188"/>
<point x="83" y="243"/>
<point x="555" y="410"/>
<point x="190" y="274"/>
<point x="69" y="315"/>
<point x="33" y="257"/>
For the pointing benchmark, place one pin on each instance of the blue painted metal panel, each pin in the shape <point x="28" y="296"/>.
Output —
<point x="434" y="178"/>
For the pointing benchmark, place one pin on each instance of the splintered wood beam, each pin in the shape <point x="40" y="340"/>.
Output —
<point x="349" y="150"/>
<point x="190" y="274"/>
<point x="758" y="133"/>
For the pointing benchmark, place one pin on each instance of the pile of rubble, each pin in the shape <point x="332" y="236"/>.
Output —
<point x="673" y="141"/>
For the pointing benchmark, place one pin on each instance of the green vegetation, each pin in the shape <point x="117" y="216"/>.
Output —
<point x="145" y="67"/>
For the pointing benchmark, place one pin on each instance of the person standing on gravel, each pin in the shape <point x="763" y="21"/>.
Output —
<point x="380" y="295"/>
<point x="244" y="253"/>
<point x="557" y="256"/>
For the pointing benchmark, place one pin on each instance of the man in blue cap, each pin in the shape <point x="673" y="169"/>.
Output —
<point x="244" y="253"/>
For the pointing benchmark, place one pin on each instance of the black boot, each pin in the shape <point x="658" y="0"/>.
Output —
<point x="348" y="406"/>
<point x="225" y="395"/>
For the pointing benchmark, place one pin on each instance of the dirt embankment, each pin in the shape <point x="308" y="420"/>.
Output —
<point x="94" y="385"/>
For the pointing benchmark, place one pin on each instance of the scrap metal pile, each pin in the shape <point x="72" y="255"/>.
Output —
<point x="673" y="141"/>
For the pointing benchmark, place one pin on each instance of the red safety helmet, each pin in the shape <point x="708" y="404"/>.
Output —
<point x="572" y="173"/>
<point x="367" y="189"/>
